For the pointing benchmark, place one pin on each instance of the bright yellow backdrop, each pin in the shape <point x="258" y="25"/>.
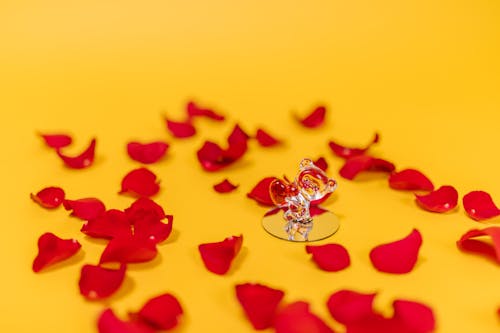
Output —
<point x="425" y="74"/>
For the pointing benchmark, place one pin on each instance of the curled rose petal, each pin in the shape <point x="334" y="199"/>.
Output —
<point x="97" y="282"/>
<point x="265" y="139"/>
<point x="225" y="186"/>
<point x="237" y="143"/>
<point x="151" y="228"/>
<point x="259" y="303"/>
<point x="480" y="206"/>
<point x="297" y="318"/>
<point x="129" y="249"/>
<point x="193" y="110"/>
<point x="57" y="140"/>
<point x="321" y="163"/>
<point x="52" y="249"/>
<point x="162" y="312"/>
<point x="416" y="317"/>
<point x="398" y="257"/>
<point x="468" y="243"/>
<point x="329" y="257"/>
<point x="441" y="200"/>
<point x="49" y="197"/>
<point x="347" y="306"/>
<point x="315" y="119"/>
<point x="109" y="323"/>
<point x="113" y="223"/>
<point x="147" y="153"/>
<point x="144" y="207"/>
<point x="260" y="192"/>
<point x="86" y="208"/>
<point x="217" y="257"/>
<point x="346" y="152"/>
<point x="140" y="183"/>
<point x="180" y="129"/>
<point x="354" y="165"/>
<point x="84" y="160"/>
<point x="410" y="180"/>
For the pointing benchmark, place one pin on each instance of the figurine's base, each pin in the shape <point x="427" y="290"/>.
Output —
<point x="324" y="226"/>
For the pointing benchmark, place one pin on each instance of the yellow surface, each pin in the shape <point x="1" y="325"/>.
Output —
<point x="425" y="74"/>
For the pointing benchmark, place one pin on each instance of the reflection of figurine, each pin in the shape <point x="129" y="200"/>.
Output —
<point x="310" y="184"/>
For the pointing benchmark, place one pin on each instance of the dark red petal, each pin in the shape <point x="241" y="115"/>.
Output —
<point x="480" y="206"/>
<point x="329" y="257"/>
<point x="81" y="161"/>
<point x="86" y="208"/>
<point x="259" y="303"/>
<point x="211" y="157"/>
<point x="162" y="312"/>
<point x="441" y="200"/>
<point x="180" y="129"/>
<point x="140" y="183"/>
<point x="321" y="163"/>
<point x="415" y="317"/>
<point x="315" y="210"/>
<point x="489" y="250"/>
<point x="113" y="223"/>
<point x="149" y="227"/>
<point x="272" y="211"/>
<point x="109" y="323"/>
<point x="260" y="192"/>
<point x="315" y="119"/>
<point x="57" y="140"/>
<point x="97" y="282"/>
<point x="147" y="153"/>
<point x="354" y="165"/>
<point x="410" y="180"/>
<point x="193" y="110"/>
<point x="397" y="257"/>
<point x="265" y="139"/>
<point x="348" y="307"/>
<point x="129" y="250"/>
<point x="52" y="249"/>
<point x="225" y="186"/>
<point x="346" y="152"/>
<point x="144" y="207"/>
<point x="49" y="197"/>
<point x="237" y="144"/>
<point x="297" y="318"/>
<point x="218" y="257"/>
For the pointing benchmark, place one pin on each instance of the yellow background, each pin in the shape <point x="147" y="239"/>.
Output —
<point x="425" y="74"/>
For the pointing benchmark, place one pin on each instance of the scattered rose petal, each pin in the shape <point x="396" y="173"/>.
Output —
<point x="52" y="249"/>
<point x="297" y="318"/>
<point x="112" y="223"/>
<point x="354" y="165"/>
<point x="315" y="119"/>
<point x="329" y="257"/>
<point x="316" y="210"/>
<point x="468" y="243"/>
<point x="321" y="163"/>
<point x="151" y="228"/>
<point x="260" y="192"/>
<point x="237" y="143"/>
<point x="162" y="312"/>
<point x="410" y="180"/>
<point x="49" y="197"/>
<point x="346" y="152"/>
<point x="480" y="206"/>
<point x="144" y="207"/>
<point x="218" y="257"/>
<point x="180" y="129"/>
<point x="225" y="186"/>
<point x="193" y="110"/>
<point x="97" y="282"/>
<point x="129" y="249"/>
<point x="57" y="140"/>
<point x="417" y="317"/>
<point x="348" y="307"/>
<point x="86" y="208"/>
<point x="147" y="153"/>
<point x="140" y="182"/>
<point x="81" y="161"/>
<point x="259" y="303"/>
<point x="441" y="200"/>
<point x="265" y="139"/>
<point x="109" y="323"/>
<point x="398" y="257"/>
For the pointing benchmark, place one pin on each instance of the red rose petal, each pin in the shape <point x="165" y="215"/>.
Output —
<point x="97" y="282"/>
<point x="321" y="163"/>
<point x="416" y="317"/>
<point x="162" y="312"/>
<point x="297" y="318"/>
<point x="398" y="257"/>
<point x="329" y="257"/>
<point x="153" y="229"/>
<point x="348" y="307"/>
<point x="144" y="207"/>
<point x="49" y="197"/>
<point x="180" y="129"/>
<point x="346" y="152"/>
<point x="52" y="249"/>
<point x="140" y="182"/>
<point x="265" y="139"/>
<point x="57" y="140"/>
<point x="225" y="186"/>
<point x="480" y="206"/>
<point x="113" y="223"/>
<point x="315" y="210"/>
<point x="467" y="243"/>
<point x="260" y="192"/>
<point x="86" y="208"/>
<point x="193" y="110"/>
<point x="130" y="249"/>
<point x="441" y="200"/>
<point x="84" y="160"/>
<point x="218" y="257"/>
<point x="259" y="303"/>
<point x="237" y="143"/>
<point x="354" y="165"/>
<point x="410" y="180"/>
<point x="315" y="119"/>
<point x="147" y="153"/>
<point x="109" y="323"/>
